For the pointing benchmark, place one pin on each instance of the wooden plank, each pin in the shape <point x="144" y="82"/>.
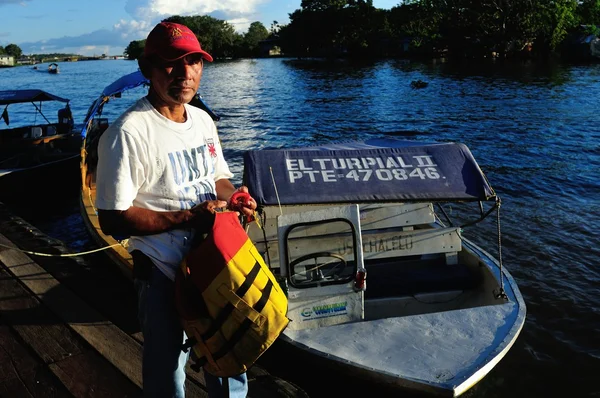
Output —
<point x="111" y="342"/>
<point x="90" y="375"/>
<point x="22" y="375"/>
<point x="33" y="323"/>
<point x="81" y="370"/>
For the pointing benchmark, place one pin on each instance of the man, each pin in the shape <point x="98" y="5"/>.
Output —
<point x="161" y="175"/>
<point x="65" y="120"/>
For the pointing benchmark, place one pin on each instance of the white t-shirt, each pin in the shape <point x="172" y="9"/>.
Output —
<point x="148" y="161"/>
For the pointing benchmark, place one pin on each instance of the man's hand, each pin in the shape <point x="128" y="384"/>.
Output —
<point x="204" y="214"/>
<point x="242" y="202"/>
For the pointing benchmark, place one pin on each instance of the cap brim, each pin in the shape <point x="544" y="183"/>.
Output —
<point x="173" y="54"/>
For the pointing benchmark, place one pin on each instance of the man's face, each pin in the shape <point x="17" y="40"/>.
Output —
<point x="176" y="82"/>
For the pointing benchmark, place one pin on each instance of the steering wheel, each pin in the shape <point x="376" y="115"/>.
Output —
<point x="339" y="261"/>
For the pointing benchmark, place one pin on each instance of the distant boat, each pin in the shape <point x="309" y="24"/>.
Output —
<point x="418" y="84"/>
<point x="38" y="159"/>
<point x="53" y="68"/>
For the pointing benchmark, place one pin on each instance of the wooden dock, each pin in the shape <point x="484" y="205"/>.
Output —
<point x="69" y="329"/>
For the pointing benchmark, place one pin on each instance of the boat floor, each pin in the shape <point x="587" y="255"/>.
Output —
<point x="437" y="348"/>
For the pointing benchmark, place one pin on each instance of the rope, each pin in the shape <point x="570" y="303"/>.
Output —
<point x="276" y="193"/>
<point x="62" y="254"/>
<point x="264" y="231"/>
<point x="501" y="293"/>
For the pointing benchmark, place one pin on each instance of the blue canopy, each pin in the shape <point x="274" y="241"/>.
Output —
<point x="120" y="85"/>
<point x="377" y="170"/>
<point x="20" y="96"/>
<point x="124" y="83"/>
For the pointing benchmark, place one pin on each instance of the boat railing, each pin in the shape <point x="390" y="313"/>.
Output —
<point x="388" y="230"/>
<point x="404" y="250"/>
<point x="17" y="134"/>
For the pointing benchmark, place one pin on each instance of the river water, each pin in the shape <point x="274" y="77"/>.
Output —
<point x="533" y="128"/>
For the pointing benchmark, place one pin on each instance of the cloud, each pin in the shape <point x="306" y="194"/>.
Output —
<point x="132" y="30"/>
<point x="7" y="2"/>
<point x="152" y="10"/>
<point x="145" y="13"/>
<point x="103" y="41"/>
<point x="239" y="24"/>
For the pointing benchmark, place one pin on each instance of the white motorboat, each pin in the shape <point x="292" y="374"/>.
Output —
<point x="377" y="284"/>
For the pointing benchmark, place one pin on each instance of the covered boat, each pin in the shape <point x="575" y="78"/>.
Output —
<point x="37" y="155"/>
<point x="53" y="68"/>
<point x="379" y="286"/>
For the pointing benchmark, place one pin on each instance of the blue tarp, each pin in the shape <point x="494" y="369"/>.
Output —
<point x="378" y="170"/>
<point x="20" y="96"/>
<point x="124" y="83"/>
<point x="120" y="85"/>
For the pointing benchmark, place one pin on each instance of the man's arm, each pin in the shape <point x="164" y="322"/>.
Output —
<point x="136" y="221"/>
<point x="224" y="189"/>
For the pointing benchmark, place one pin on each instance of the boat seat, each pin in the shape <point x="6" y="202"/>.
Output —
<point x="391" y="280"/>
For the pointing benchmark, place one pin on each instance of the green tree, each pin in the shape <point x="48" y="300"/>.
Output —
<point x="135" y="49"/>
<point x="1" y="50"/>
<point x="322" y="5"/>
<point x="558" y="18"/>
<point x="589" y="12"/>
<point x="14" y="50"/>
<point x="415" y="23"/>
<point x="256" y="33"/>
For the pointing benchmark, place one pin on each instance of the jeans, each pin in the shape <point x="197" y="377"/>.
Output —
<point x="163" y="364"/>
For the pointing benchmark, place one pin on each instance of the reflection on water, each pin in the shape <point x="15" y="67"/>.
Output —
<point x="533" y="127"/>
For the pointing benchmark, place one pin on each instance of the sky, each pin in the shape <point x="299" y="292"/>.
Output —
<point x="95" y="27"/>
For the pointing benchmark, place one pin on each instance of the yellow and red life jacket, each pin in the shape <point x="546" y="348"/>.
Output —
<point x="230" y="304"/>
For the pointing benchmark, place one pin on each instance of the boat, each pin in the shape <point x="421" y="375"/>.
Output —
<point x="53" y="68"/>
<point x="37" y="156"/>
<point x="95" y="123"/>
<point x="382" y="284"/>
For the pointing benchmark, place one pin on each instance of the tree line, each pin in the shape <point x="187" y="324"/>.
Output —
<point x="217" y="37"/>
<point x="452" y="28"/>
<point x="355" y="28"/>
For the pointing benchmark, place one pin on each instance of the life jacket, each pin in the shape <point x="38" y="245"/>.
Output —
<point x="230" y="304"/>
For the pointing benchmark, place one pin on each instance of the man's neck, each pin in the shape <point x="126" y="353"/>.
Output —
<point x="174" y="112"/>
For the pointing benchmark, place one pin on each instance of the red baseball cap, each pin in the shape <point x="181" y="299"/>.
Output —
<point x="171" y="41"/>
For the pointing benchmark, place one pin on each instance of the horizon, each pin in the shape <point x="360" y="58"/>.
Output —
<point x="69" y="27"/>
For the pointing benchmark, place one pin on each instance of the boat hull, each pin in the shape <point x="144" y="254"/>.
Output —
<point x="439" y="353"/>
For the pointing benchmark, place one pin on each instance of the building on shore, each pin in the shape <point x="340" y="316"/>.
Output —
<point x="269" y="48"/>
<point x="7" y="60"/>
<point x="25" y="60"/>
